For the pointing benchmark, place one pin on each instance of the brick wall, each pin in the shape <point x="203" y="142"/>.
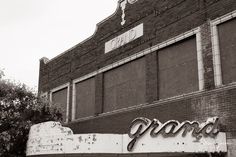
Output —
<point x="162" y="20"/>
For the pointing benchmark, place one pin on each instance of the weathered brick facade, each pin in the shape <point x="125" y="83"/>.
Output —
<point x="162" y="20"/>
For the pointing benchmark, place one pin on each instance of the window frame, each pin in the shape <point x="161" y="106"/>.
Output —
<point x="216" y="47"/>
<point x="67" y="85"/>
<point x="74" y="82"/>
<point x="199" y="59"/>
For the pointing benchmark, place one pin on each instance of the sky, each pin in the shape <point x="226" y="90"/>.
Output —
<point x="32" y="29"/>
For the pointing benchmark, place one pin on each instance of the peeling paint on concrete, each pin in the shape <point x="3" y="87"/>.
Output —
<point x="51" y="138"/>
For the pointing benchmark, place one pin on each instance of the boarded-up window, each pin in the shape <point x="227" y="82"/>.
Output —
<point x="85" y="98"/>
<point x="227" y="44"/>
<point x="178" y="71"/>
<point x="59" y="98"/>
<point x="125" y="86"/>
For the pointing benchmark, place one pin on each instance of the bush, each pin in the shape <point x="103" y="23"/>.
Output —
<point x="19" y="110"/>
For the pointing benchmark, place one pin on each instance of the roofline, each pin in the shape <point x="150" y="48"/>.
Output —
<point x="85" y="40"/>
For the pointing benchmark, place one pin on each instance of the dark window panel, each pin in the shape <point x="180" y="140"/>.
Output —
<point x="59" y="98"/>
<point x="178" y="73"/>
<point x="125" y="86"/>
<point x="227" y="44"/>
<point x="85" y="98"/>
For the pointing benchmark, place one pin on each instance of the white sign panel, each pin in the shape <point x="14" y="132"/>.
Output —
<point x="124" y="38"/>
<point x="51" y="138"/>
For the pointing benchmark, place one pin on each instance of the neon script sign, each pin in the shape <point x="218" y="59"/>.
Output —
<point x="140" y="126"/>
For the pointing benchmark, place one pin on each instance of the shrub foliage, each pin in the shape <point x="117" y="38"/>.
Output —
<point x="19" y="110"/>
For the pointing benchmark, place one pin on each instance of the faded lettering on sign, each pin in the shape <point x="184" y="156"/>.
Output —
<point x="124" y="38"/>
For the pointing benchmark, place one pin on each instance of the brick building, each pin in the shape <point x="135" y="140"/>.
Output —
<point x="160" y="59"/>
